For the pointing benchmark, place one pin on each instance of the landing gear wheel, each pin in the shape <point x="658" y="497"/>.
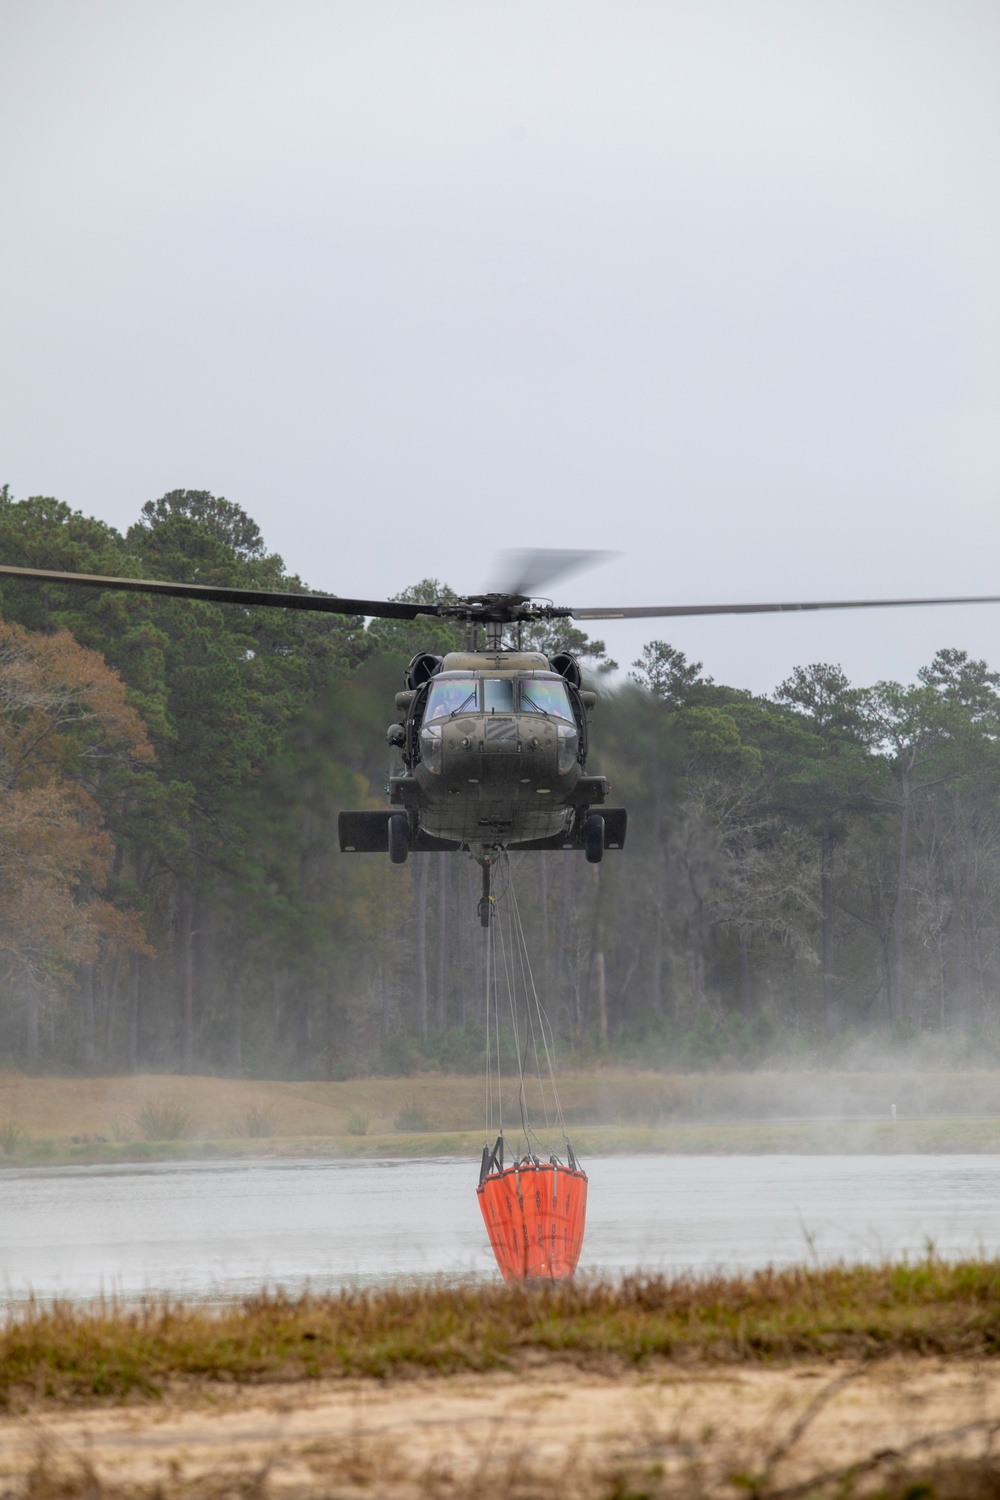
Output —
<point x="399" y="839"/>
<point x="593" y="838"/>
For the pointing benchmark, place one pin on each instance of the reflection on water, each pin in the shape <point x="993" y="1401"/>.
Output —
<point x="214" y="1228"/>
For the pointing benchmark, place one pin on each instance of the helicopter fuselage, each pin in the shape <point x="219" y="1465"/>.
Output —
<point x="494" y="748"/>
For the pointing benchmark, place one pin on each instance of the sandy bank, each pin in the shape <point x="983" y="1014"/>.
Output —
<point x="552" y="1429"/>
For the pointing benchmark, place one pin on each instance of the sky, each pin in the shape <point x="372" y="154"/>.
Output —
<point x="713" y="285"/>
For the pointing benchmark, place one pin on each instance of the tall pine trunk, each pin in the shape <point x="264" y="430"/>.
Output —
<point x="601" y="986"/>
<point x="31" y="1009"/>
<point x="421" y="945"/>
<point x="111" y="1014"/>
<point x="961" y="976"/>
<point x="826" y="904"/>
<point x="566" y="992"/>
<point x="133" y="1012"/>
<point x="442" y="936"/>
<point x="187" y="983"/>
<point x="899" y="915"/>
<point x="88" y="1022"/>
<point x="744" y="951"/>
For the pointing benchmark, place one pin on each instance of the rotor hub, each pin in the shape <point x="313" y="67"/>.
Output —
<point x="501" y="609"/>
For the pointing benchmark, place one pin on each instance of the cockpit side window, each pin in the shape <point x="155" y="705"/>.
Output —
<point x="451" y="695"/>
<point x="498" y="695"/>
<point x="541" y="695"/>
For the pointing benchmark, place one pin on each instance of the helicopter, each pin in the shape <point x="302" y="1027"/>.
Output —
<point x="494" y="738"/>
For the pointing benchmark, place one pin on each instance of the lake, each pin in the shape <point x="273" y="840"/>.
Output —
<point x="211" y="1229"/>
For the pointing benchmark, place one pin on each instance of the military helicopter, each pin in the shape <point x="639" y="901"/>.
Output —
<point x="493" y="738"/>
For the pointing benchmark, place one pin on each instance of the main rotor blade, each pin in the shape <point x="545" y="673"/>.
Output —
<point x="383" y="609"/>
<point x="525" y="570"/>
<point x="657" y="610"/>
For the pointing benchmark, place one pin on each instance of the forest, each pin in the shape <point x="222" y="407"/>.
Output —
<point x="805" y="872"/>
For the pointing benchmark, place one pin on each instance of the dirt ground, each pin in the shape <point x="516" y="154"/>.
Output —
<point x="550" y="1430"/>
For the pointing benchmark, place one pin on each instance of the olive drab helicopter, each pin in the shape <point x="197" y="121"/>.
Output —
<point x="493" y="738"/>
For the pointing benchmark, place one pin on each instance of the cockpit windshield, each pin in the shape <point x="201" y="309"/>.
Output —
<point x="498" y="695"/>
<point x="451" y="695"/>
<point x="545" y="695"/>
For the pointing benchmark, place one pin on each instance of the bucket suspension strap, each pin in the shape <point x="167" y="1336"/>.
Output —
<point x="508" y="968"/>
<point x="486" y="898"/>
<point x="494" y="1119"/>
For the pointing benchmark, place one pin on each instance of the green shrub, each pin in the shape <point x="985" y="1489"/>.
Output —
<point x="412" y="1117"/>
<point x="12" y="1137"/>
<point x="257" y="1122"/>
<point x="161" y="1121"/>
<point x="358" y="1122"/>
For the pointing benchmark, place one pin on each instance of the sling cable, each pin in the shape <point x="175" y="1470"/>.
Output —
<point x="534" y="1210"/>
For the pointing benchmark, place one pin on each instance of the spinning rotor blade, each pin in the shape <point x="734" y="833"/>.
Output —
<point x="534" y="567"/>
<point x="384" y="609"/>
<point x="524" y="571"/>
<point x="657" y="610"/>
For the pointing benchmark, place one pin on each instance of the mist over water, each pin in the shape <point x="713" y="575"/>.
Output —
<point x="220" y="1229"/>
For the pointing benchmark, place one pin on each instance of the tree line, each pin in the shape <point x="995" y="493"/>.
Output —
<point x="802" y="869"/>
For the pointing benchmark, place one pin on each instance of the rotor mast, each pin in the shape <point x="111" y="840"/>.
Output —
<point x="494" y="611"/>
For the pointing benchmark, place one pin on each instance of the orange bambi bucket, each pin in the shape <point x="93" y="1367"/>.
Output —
<point x="535" y="1215"/>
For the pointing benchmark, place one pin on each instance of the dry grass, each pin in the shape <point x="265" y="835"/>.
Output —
<point x="954" y="1479"/>
<point x="69" y="1354"/>
<point x="506" y="1471"/>
<point x="13" y="1137"/>
<point x="258" y="1122"/>
<point x="85" y="1106"/>
<point x="90" y="1120"/>
<point x="161" y="1120"/>
<point x="358" y="1122"/>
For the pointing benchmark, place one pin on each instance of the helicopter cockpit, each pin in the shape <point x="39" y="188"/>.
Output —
<point x="527" y="713"/>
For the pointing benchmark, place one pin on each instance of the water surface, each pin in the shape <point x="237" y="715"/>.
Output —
<point x="221" y="1228"/>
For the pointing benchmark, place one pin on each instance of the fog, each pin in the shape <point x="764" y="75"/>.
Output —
<point x="711" y="284"/>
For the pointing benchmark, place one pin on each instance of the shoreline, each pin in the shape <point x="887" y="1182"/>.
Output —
<point x="975" y="1136"/>
<point x="64" y="1121"/>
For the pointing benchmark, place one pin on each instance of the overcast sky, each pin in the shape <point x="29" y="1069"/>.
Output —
<point x="715" y="284"/>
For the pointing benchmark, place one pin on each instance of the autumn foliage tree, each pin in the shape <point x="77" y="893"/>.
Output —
<point x="65" y="728"/>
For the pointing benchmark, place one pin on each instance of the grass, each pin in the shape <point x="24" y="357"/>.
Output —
<point x="160" y="1120"/>
<point x="13" y="1137"/>
<point x="975" y="1137"/>
<point x="413" y="1118"/>
<point x="68" y="1354"/>
<point x="67" y="1105"/>
<point x="150" y="1117"/>
<point x="257" y="1123"/>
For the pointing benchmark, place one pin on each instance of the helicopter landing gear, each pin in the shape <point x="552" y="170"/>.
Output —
<point x="399" y="839"/>
<point x="485" y="899"/>
<point x="593" y="838"/>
